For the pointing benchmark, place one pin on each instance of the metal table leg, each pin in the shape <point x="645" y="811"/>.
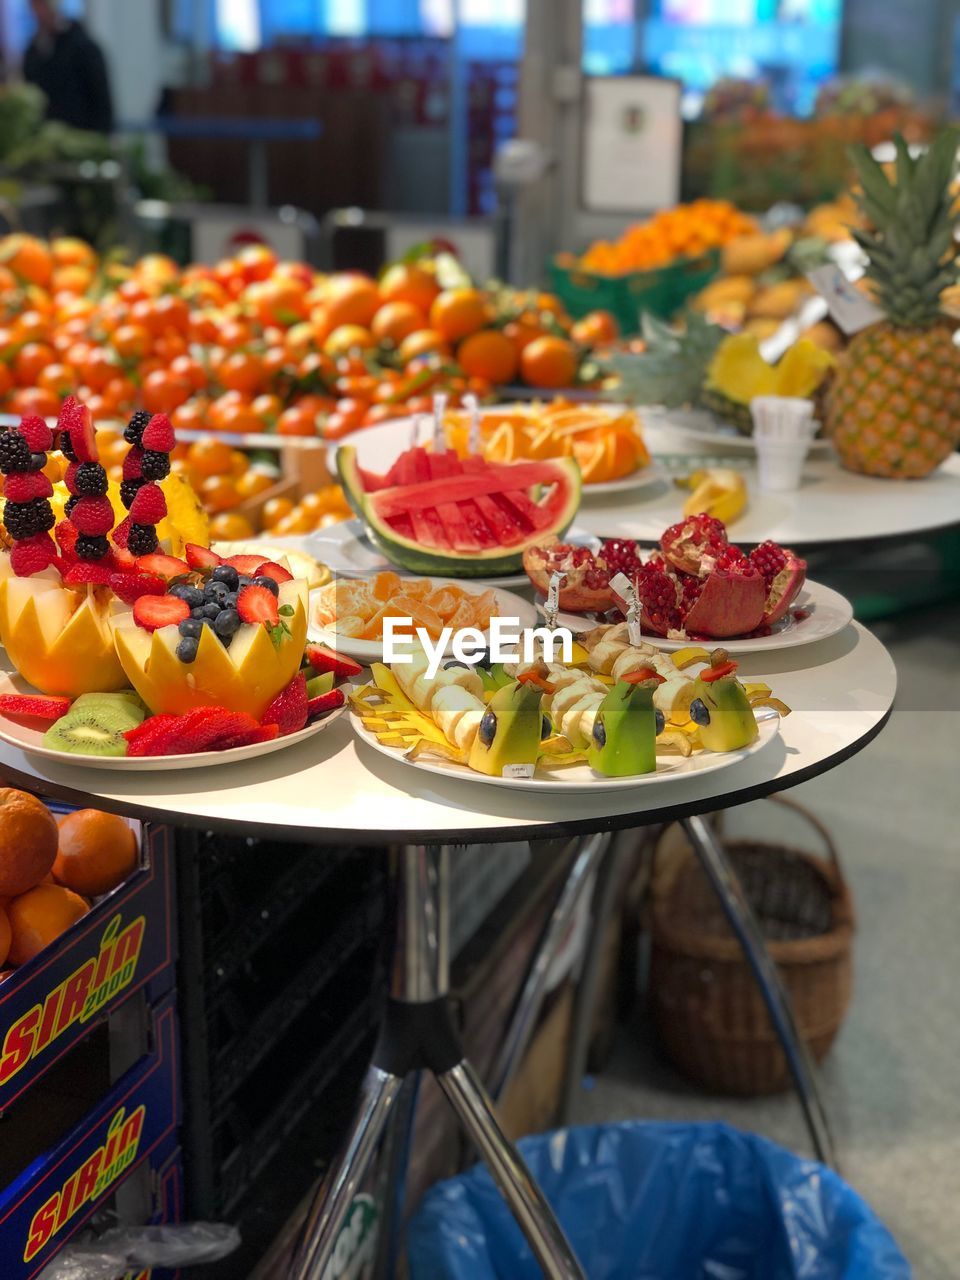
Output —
<point x="740" y="915"/>
<point x="418" y="1035"/>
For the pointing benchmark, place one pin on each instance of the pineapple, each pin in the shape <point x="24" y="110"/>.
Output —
<point x="893" y="408"/>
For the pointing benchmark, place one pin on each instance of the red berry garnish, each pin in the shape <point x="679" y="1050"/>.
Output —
<point x="77" y="421"/>
<point x="201" y="557"/>
<point x="121" y="533"/>
<point x="165" y="566"/>
<point x="132" y="463"/>
<point x="66" y="535"/>
<point x="270" y="569"/>
<point x="258" y="604"/>
<point x="325" y="702"/>
<point x="158" y="434"/>
<point x="149" y="506"/>
<point x="36" y="433"/>
<point x="246" y="565"/>
<point x="129" y="587"/>
<point x="93" y="516"/>
<point x="86" y="572"/>
<point x="153" y="612"/>
<point x="288" y="709"/>
<point x="24" y="486"/>
<point x="32" y="555"/>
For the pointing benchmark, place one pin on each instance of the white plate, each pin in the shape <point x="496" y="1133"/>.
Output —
<point x="509" y="605"/>
<point x="698" y="426"/>
<point x="345" y="548"/>
<point x="829" y="612"/>
<point x="580" y="777"/>
<point x="31" y="740"/>
<point x="378" y="448"/>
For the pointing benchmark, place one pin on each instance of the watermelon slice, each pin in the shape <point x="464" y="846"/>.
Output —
<point x="436" y="513"/>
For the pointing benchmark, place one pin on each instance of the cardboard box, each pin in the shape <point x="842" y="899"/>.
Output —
<point x="126" y="941"/>
<point x="59" y="1192"/>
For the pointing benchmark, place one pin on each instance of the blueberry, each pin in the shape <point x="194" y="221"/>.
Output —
<point x="226" y="622"/>
<point x="546" y="727"/>
<point x="211" y="610"/>
<point x="699" y="713"/>
<point x="230" y="600"/>
<point x="186" y="591"/>
<point x="37" y="462"/>
<point x="658" y="719"/>
<point x="199" y="611"/>
<point x="488" y="728"/>
<point x="244" y="581"/>
<point x="454" y="662"/>
<point x="190" y="628"/>
<point x="226" y="574"/>
<point x="226" y="641"/>
<point x="187" y="649"/>
<point x="217" y="591"/>
<point x="268" y="583"/>
<point x="599" y="733"/>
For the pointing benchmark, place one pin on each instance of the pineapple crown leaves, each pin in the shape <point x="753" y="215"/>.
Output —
<point x="672" y="369"/>
<point x="910" y="243"/>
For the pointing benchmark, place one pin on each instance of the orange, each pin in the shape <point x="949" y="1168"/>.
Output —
<point x="191" y="415"/>
<point x="396" y="321"/>
<point x="241" y="372"/>
<point x="549" y="362"/>
<point x="56" y="377"/>
<point x="69" y="251"/>
<point x="350" y="299"/>
<point x="229" y="526"/>
<point x="39" y="916"/>
<point x="422" y="342"/>
<point x="218" y="493"/>
<point x="30" y="361"/>
<point x="348" y="337"/>
<point x="275" y="510"/>
<point x="28" y="841"/>
<point x="488" y="354"/>
<point x="409" y="282"/>
<point x="132" y="341"/>
<point x="253" y="482"/>
<point x="597" y="328"/>
<point x="28" y="258"/>
<point x="209" y="456"/>
<point x="162" y="392"/>
<point x="298" y="420"/>
<point x="6" y="936"/>
<point x="71" y="280"/>
<point x="6" y="378"/>
<point x="457" y="313"/>
<point x="97" y="852"/>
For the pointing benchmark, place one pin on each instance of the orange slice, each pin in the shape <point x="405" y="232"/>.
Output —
<point x="386" y="584"/>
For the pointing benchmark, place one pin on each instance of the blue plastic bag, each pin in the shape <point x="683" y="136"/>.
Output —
<point x="642" y="1201"/>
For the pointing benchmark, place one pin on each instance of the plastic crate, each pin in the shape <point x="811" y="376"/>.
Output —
<point x="661" y="292"/>
<point x="125" y="942"/>
<point x="61" y="1190"/>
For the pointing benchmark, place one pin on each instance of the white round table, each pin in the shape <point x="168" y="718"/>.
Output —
<point x="832" y="505"/>
<point x="334" y="789"/>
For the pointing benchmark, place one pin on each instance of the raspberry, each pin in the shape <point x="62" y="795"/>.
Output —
<point x="158" y="434"/>
<point x="129" y="490"/>
<point x="142" y="539"/>
<point x="90" y="480"/>
<point x="70" y="477"/>
<point x="92" y="548"/>
<point x="149" y="506"/>
<point x="93" y="515"/>
<point x="136" y="426"/>
<point x="156" y="466"/>
<point x="132" y="464"/>
<point x="33" y="555"/>
<point x="121" y="533"/>
<point x="129" y="587"/>
<point x="37" y="434"/>
<point x="24" y="486"/>
<point x="14" y="452"/>
<point x="289" y="707"/>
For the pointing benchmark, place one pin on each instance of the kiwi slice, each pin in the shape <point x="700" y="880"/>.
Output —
<point x="320" y="684"/>
<point x="92" y="730"/>
<point x="126" y="703"/>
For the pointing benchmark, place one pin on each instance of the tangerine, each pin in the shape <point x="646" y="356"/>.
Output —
<point x="39" y="916"/>
<point x="97" y="851"/>
<point x="423" y="342"/>
<point x="241" y="371"/>
<point x="6" y="936"/>
<point x="488" y="354"/>
<point x="350" y="299"/>
<point x="596" y="329"/>
<point x="163" y="391"/>
<point x="218" y="493"/>
<point x="409" y="282"/>
<point x="348" y="337"/>
<point x="396" y="321"/>
<point x="28" y="841"/>
<point x="549" y="362"/>
<point x="275" y="510"/>
<point x="209" y="457"/>
<point x="457" y="313"/>
<point x="230" y="526"/>
<point x="28" y="258"/>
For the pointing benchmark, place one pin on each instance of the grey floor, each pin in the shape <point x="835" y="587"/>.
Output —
<point x="892" y="1082"/>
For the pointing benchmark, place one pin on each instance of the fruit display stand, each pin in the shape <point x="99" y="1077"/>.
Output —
<point x="339" y="791"/>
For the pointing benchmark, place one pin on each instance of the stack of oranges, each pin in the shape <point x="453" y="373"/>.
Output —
<point x="683" y="232"/>
<point x="49" y="874"/>
<point x="256" y="344"/>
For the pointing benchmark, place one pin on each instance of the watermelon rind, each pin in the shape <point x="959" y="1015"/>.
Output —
<point x="494" y="562"/>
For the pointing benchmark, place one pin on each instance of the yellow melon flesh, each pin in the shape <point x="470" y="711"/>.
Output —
<point x="245" y="677"/>
<point x="58" y="639"/>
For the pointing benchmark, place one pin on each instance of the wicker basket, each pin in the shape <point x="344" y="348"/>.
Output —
<point x="708" y="1010"/>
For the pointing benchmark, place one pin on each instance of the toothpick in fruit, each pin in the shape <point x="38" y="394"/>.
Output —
<point x="625" y="589"/>
<point x="439" y="413"/>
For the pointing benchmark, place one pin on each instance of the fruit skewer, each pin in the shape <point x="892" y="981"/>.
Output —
<point x="27" y="513"/>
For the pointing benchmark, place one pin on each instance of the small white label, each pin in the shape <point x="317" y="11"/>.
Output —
<point x="518" y="771"/>
<point x="439" y="413"/>
<point x="849" y="306"/>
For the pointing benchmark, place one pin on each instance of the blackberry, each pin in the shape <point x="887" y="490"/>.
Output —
<point x="142" y="539"/>
<point x="14" y="452"/>
<point x="128" y="491"/>
<point x="20" y="519"/>
<point x="70" y="504"/>
<point x="90" y="480"/>
<point x="37" y="462"/>
<point x="154" y="465"/>
<point x="43" y="515"/>
<point x="90" y="547"/>
<point x="66" y="448"/>
<point x="136" y="427"/>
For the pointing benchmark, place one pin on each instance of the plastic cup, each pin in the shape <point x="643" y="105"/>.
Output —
<point x="780" y="464"/>
<point x="783" y="427"/>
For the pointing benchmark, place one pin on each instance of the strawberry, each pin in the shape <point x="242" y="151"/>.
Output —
<point x="31" y="555"/>
<point x="85" y="572"/>
<point x="325" y="702"/>
<point x="121" y="533"/>
<point x="24" y="486"/>
<point x="288" y="710"/>
<point x="77" y="421"/>
<point x="257" y="604"/>
<point x="129" y="587"/>
<point x="201" y="557"/>
<point x="323" y="659"/>
<point x="247" y="737"/>
<point x="36" y="707"/>
<point x="153" y="730"/>
<point x="246" y="565"/>
<point x="36" y="433"/>
<point x="149" y="506"/>
<point x="158" y="434"/>
<point x="270" y="569"/>
<point x="203" y="729"/>
<point x="122" y="559"/>
<point x="66" y="535"/>
<point x="166" y="566"/>
<point x="153" y="612"/>
<point x="132" y="463"/>
<point x="93" y="516"/>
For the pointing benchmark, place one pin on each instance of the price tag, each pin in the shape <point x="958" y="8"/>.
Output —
<point x="552" y="605"/>
<point x="439" y="412"/>
<point x="627" y="593"/>
<point x="850" y="308"/>
<point x="518" y="771"/>
<point x="472" y="406"/>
